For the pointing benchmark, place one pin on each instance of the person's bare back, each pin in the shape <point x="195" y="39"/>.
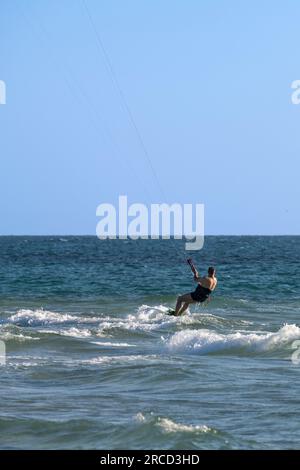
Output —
<point x="210" y="282"/>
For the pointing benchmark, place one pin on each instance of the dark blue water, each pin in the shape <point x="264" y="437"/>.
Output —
<point x="94" y="361"/>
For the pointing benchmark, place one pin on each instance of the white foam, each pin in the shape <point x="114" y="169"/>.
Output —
<point x="146" y="319"/>
<point x="140" y="417"/>
<point x="76" y="333"/>
<point x="73" y="332"/>
<point x="116" y="345"/>
<point x="130" y="324"/>
<point x="119" y="359"/>
<point x="170" y="426"/>
<point x="151" y="318"/>
<point x="147" y="314"/>
<point x="8" y="336"/>
<point x="207" y="341"/>
<point x="210" y="319"/>
<point x="16" y="365"/>
<point x="25" y="361"/>
<point x="26" y="317"/>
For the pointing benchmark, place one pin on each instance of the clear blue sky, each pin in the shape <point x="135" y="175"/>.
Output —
<point x="208" y="83"/>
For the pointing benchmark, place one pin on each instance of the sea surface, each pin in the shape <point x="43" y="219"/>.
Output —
<point x="93" y="361"/>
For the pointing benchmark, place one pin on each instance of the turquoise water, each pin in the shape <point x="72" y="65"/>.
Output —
<point x="94" y="362"/>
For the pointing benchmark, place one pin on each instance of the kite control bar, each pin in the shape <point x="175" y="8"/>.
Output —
<point x="190" y="262"/>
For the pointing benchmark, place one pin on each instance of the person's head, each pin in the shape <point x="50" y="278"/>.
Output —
<point x="211" y="271"/>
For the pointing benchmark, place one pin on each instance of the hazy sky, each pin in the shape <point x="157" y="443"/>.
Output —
<point x="209" y="86"/>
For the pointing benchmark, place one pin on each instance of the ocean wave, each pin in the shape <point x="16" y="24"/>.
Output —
<point x="18" y="337"/>
<point x="208" y="341"/>
<point x="111" y="344"/>
<point x="146" y="319"/>
<point x="208" y="319"/>
<point x="40" y="317"/>
<point x="157" y="315"/>
<point x="72" y="332"/>
<point x="16" y="362"/>
<point x="170" y="426"/>
<point x="151" y="314"/>
<point x="138" y="358"/>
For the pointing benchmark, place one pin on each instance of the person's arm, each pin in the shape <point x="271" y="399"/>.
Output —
<point x="194" y="270"/>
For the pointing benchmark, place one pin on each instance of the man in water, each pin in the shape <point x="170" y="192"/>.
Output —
<point x="205" y="287"/>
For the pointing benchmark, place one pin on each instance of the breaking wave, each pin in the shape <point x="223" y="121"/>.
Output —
<point x="208" y="341"/>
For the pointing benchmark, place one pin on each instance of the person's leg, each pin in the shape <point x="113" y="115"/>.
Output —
<point x="185" y="307"/>
<point x="182" y="299"/>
